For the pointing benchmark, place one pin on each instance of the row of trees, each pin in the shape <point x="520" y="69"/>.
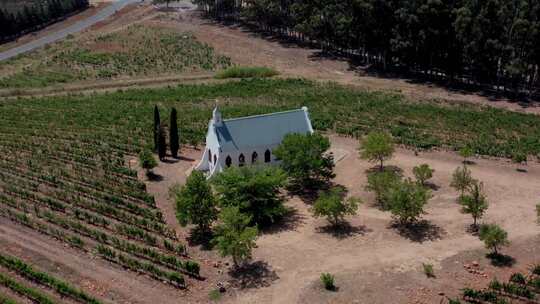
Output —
<point x="494" y="43"/>
<point x="35" y="16"/>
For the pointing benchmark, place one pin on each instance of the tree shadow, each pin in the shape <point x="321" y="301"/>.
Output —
<point x="289" y="222"/>
<point x="170" y="160"/>
<point x="200" y="238"/>
<point x="432" y="186"/>
<point x="521" y="170"/>
<point x="420" y="231"/>
<point x="344" y="230"/>
<point x="253" y="275"/>
<point x="154" y="177"/>
<point x="376" y="169"/>
<point x="184" y="158"/>
<point x="468" y="162"/>
<point x="501" y="260"/>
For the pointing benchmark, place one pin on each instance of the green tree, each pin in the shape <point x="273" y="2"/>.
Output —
<point x="195" y="203"/>
<point x="174" y="142"/>
<point x="233" y="236"/>
<point x="147" y="160"/>
<point x="305" y="158"/>
<point x="423" y="173"/>
<point x="519" y="158"/>
<point x="256" y="191"/>
<point x="157" y="125"/>
<point x="407" y="200"/>
<point x="162" y="143"/>
<point x="465" y="152"/>
<point x="333" y="206"/>
<point x="461" y="179"/>
<point x="475" y="202"/>
<point x="380" y="183"/>
<point x="493" y="236"/>
<point x="377" y="147"/>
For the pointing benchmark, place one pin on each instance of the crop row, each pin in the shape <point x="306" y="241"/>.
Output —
<point x="31" y="293"/>
<point x="42" y="278"/>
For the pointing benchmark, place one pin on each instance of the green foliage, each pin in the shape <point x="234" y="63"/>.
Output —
<point x="157" y="125"/>
<point x="333" y="206"/>
<point x="428" y="270"/>
<point x="254" y="190"/>
<point x="380" y="183"/>
<point x="377" y="147"/>
<point x="214" y="295"/>
<point x="461" y="179"/>
<point x="493" y="236"/>
<point x="519" y="157"/>
<point x="423" y="173"/>
<point x="161" y="143"/>
<point x="234" y="237"/>
<point x="306" y="160"/>
<point x="407" y="200"/>
<point x="466" y="152"/>
<point x="328" y="281"/>
<point x="246" y="72"/>
<point x="6" y="300"/>
<point x="21" y="268"/>
<point x="147" y="160"/>
<point x="474" y="202"/>
<point x="133" y="51"/>
<point x="174" y="142"/>
<point x="195" y="202"/>
<point x="31" y="293"/>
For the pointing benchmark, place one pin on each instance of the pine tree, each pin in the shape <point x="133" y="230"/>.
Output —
<point x="156" y="127"/>
<point x="162" y="143"/>
<point x="173" y="134"/>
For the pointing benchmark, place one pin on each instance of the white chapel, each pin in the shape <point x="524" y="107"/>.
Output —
<point x="249" y="140"/>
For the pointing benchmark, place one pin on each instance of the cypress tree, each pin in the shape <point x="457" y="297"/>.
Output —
<point x="162" y="144"/>
<point x="173" y="134"/>
<point x="156" y="127"/>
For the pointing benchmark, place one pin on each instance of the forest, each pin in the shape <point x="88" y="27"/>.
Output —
<point x="32" y="17"/>
<point x="492" y="44"/>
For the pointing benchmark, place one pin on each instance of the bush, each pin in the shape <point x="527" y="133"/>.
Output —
<point x="377" y="147"/>
<point x="192" y="267"/>
<point x="493" y="237"/>
<point x="423" y="173"/>
<point x="333" y="206"/>
<point x="246" y="72"/>
<point x="428" y="270"/>
<point x="380" y="183"/>
<point x="328" y="281"/>
<point x="407" y="200"/>
<point x="461" y="179"/>
<point x="147" y="160"/>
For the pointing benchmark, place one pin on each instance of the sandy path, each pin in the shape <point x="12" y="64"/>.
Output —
<point x="93" y="275"/>
<point x="301" y="253"/>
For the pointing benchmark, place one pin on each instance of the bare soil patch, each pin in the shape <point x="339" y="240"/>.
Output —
<point x="373" y="261"/>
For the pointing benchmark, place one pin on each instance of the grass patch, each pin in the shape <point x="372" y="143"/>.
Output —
<point x="246" y="72"/>
<point x="214" y="295"/>
<point x="135" y="51"/>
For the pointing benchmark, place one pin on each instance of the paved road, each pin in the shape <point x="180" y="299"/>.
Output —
<point x="77" y="27"/>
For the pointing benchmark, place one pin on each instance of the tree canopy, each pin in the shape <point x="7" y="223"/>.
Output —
<point x="195" y="203"/>
<point x="475" y="202"/>
<point x="254" y="190"/>
<point x="377" y="147"/>
<point x="305" y="158"/>
<point x="493" y="236"/>
<point x="332" y="205"/>
<point x="407" y="200"/>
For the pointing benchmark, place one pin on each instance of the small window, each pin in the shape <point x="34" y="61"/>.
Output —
<point x="241" y="160"/>
<point x="215" y="159"/>
<point x="254" y="157"/>
<point x="209" y="155"/>
<point x="228" y="161"/>
<point x="267" y="156"/>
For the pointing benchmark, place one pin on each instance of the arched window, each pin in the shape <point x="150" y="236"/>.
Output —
<point x="267" y="156"/>
<point x="209" y="156"/>
<point x="215" y="159"/>
<point x="254" y="157"/>
<point x="228" y="161"/>
<point x="241" y="160"/>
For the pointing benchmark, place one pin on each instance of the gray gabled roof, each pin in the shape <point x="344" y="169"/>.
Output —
<point x="261" y="130"/>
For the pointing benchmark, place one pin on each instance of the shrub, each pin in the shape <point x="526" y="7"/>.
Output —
<point x="428" y="270"/>
<point x="305" y="159"/>
<point x="465" y="152"/>
<point x="380" y="183"/>
<point x="423" y="173"/>
<point x="192" y="267"/>
<point x="195" y="203"/>
<point x="407" y="200"/>
<point x="333" y="206"/>
<point x="328" y="281"/>
<point x="377" y="147"/>
<point x="493" y="237"/>
<point x="474" y="202"/>
<point x="518" y="278"/>
<point x="461" y="179"/>
<point x="147" y="160"/>
<point x="246" y="72"/>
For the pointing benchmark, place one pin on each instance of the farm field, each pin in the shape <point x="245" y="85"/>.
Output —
<point x="133" y="51"/>
<point x="65" y="178"/>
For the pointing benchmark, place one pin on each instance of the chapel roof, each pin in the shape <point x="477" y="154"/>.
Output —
<point x="264" y="130"/>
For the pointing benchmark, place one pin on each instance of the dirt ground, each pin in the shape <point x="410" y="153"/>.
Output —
<point x="372" y="261"/>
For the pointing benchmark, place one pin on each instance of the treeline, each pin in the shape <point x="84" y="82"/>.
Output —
<point x="36" y="16"/>
<point x="493" y="43"/>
